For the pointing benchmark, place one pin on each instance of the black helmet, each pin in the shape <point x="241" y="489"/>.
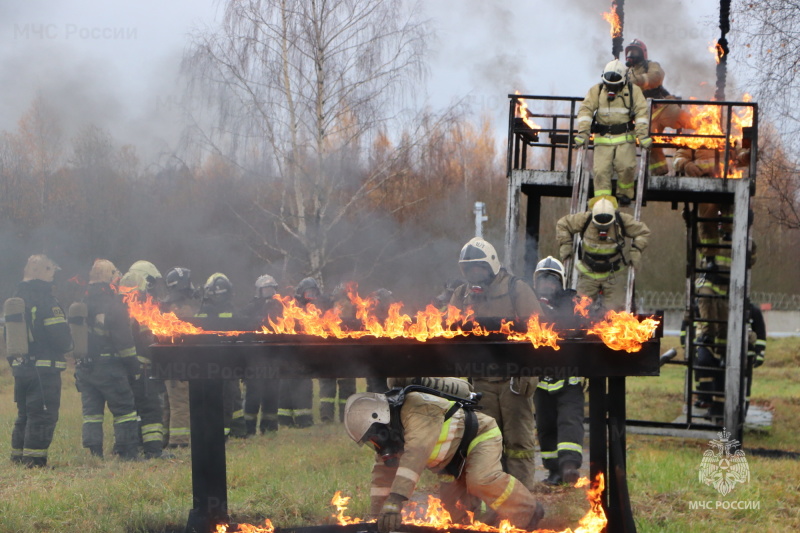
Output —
<point x="266" y="286"/>
<point x="179" y="279"/>
<point x="307" y="291"/>
<point x="218" y="289"/>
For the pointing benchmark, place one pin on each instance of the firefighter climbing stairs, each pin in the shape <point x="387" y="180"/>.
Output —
<point x="543" y="163"/>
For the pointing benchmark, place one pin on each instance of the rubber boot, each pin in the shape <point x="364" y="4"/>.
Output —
<point x="537" y="516"/>
<point x="34" y="462"/>
<point x="569" y="472"/>
<point x="250" y="426"/>
<point x="96" y="451"/>
<point x="554" y="478"/>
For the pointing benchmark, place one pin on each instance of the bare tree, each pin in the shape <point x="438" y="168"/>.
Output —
<point x="767" y="46"/>
<point x="299" y="88"/>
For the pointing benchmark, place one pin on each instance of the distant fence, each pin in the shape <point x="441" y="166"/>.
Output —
<point x="670" y="301"/>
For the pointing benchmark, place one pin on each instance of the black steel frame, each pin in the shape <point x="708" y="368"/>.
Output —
<point x="205" y="361"/>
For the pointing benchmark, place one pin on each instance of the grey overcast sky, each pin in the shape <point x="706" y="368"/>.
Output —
<point x="115" y="63"/>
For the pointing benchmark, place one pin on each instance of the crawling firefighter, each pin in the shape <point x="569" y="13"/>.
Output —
<point x="415" y="428"/>
<point x="615" y="111"/>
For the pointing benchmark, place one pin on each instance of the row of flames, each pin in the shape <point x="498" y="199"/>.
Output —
<point x="619" y="331"/>
<point x="435" y="516"/>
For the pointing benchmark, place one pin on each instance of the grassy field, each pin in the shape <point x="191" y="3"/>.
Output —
<point x="291" y="476"/>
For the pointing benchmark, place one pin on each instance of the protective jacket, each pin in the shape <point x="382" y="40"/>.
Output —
<point x="507" y="296"/>
<point x="616" y="121"/>
<point x="49" y="337"/>
<point x="110" y="336"/>
<point x="599" y="258"/>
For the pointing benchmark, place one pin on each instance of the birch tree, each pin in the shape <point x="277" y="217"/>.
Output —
<point x="297" y="89"/>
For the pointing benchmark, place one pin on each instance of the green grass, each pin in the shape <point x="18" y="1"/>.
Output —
<point x="291" y="476"/>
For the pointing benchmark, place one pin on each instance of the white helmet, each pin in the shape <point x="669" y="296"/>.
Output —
<point x="550" y="264"/>
<point x="40" y="267"/>
<point x="104" y="271"/>
<point x="362" y="410"/>
<point x="614" y="74"/>
<point x="603" y="212"/>
<point x="263" y="282"/>
<point x="478" y="250"/>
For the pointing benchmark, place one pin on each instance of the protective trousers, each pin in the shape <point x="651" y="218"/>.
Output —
<point x="328" y="398"/>
<point x="559" y="423"/>
<point x="37" y="393"/>
<point x="712" y="304"/>
<point x="233" y="406"/>
<point x="148" y="407"/>
<point x="179" y="434"/>
<point x="483" y="480"/>
<point x="294" y="403"/>
<point x="108" y="384"/>
<point x="609" y="158"/>
<point x="261" y="394"/>
<point x="513" y="412"/>
<point x="710" y="380"/>
<point x="612" y="286"/>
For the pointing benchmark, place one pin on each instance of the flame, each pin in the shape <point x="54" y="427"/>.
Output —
<point x="613" y="20"/>
<point x="246" y="528"/>
<point x="340" y="502"/>
<point x="708" y="120"/>
<point x="147" y="313"/>
<point x="582" y="306"/>
<point x="623" y="331"/>
<point x="717" y="50"/>
<point x="538" y="334"/>
<point x="521" y="111"/>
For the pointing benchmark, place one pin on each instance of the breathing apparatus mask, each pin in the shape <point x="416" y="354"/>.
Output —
<point x="614" y="78"/>
<point x="547" y="286"/>
<point x="387" y="443"/>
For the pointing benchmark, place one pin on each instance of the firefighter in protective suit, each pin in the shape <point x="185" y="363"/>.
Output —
<point x="615" y="111"/>
<point x="181" y="299"/>
<point x="420" y="430"/>
<point x="218" y="303"/>
<point x="328" y="387"/>
<point x="145" y="279"/>
<point x="602" y="255"/>
<point x="104" y="373"/>
<point x="37" y="337"/>
<point x="491" y="291"/>
<point x="649" y="76"/>
<point x="296" y="395"/>
<point x="261" y="394"/>
<point x="558" y="399"/>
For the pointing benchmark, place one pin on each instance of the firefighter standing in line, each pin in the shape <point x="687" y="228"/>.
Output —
<point x="615" y="111"/>
<point x="340" y="302"/>
<point x="181" y="299"/>
<point x="218" y="303"/>
<point x="491" y="291"/>
<point x="144" y="277"/>
<point x="602" y="257"/>
<point x="649" y="75"/>
<point x="261" y="393"/>
<point x="421" y="430"/>
<point x="37" y="337"/>
<point x="296" y="396"/>
<point x="106" y="362"/>
<point x="558" y="400"/>
<point x="383" y="299"/>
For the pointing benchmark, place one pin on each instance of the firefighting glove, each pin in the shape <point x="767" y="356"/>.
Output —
<point x="580" y="139"/>
<point x="390" y="518"/>
<point x="565" y="251"/>
<point x="636" y="258"/>
<point x="645" y="142"/>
